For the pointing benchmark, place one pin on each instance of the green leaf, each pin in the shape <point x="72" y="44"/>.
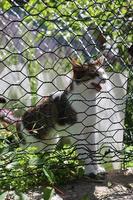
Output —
<point x="48" y="193"/>
<point x="35" y="161"/>
<point x="49" y="174"/>
<point x="12" y="165"/>
<point x="22" y="196"/>
<point x="85" y="197"/>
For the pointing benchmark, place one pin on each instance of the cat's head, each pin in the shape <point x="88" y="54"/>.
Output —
<point x="93" y="73"/>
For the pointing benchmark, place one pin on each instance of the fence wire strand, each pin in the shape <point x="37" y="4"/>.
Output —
<point x="38" y="41"/>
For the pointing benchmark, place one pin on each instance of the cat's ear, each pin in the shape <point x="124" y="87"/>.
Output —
<point x="99" y="61"/>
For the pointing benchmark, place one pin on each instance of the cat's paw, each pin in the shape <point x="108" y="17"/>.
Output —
<point x="95" y="171"/>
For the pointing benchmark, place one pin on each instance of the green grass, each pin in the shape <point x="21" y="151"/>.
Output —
<point x="23" y="169"/>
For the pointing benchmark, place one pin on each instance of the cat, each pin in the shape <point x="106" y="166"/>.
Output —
<point x="66" y="113"/>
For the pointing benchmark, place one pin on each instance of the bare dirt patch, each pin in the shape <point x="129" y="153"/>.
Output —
<point x="116" y="186"/>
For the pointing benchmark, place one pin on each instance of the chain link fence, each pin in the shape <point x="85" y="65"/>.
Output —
<point x="38" y="39"/>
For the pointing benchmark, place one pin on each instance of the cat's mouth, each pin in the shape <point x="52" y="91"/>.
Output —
<point x="97" y="86"/>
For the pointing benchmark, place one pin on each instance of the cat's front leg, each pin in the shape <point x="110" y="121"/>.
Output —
<point x="92" y="167"/>
<point x="94" y="170"/>
<point x="88" y="152"/>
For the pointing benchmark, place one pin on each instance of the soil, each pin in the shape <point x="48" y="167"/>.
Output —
<point x="116" y="186"/>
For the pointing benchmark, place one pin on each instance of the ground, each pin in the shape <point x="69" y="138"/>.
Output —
<point x="116" y="186"/>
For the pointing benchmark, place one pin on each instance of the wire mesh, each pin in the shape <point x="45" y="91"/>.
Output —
<point x="38" y="39"/>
